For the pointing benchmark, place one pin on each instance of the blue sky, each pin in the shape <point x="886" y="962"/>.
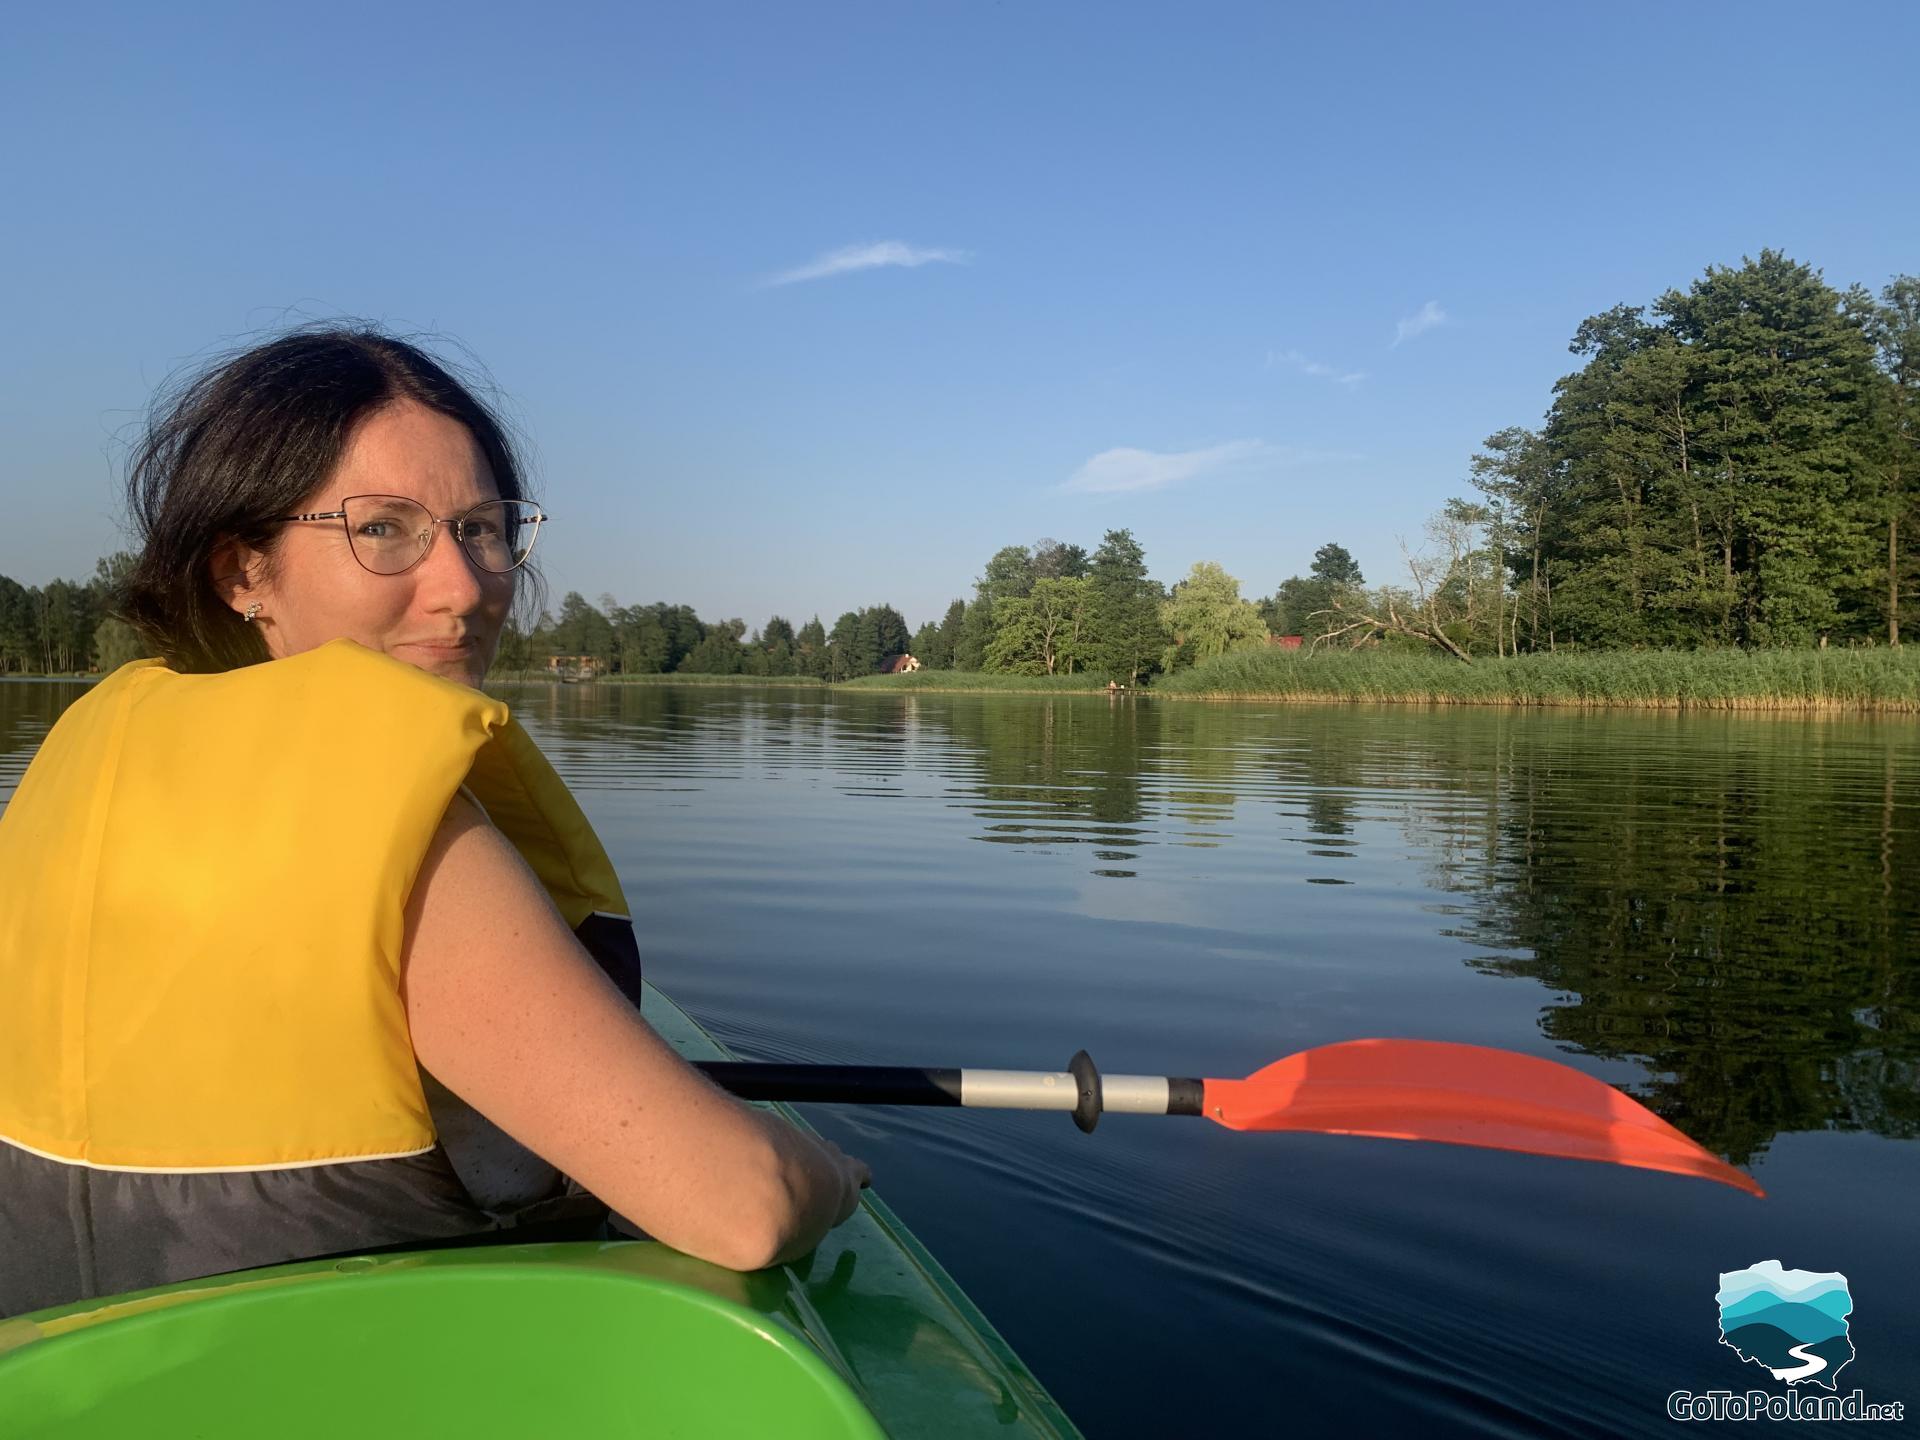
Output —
<point x="810" y="307"/>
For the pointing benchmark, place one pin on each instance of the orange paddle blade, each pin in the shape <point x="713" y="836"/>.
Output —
<point x="1461" y="1095"/>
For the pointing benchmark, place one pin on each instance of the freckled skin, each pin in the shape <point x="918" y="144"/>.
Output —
<point x="445" y="615"/>
<point x="511" y="1014"/>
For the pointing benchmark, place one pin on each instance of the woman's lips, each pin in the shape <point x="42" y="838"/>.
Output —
<point x="444" y="647"/>
<point x="441" y="654"/>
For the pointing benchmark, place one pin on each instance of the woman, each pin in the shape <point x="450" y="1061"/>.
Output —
<point x="292" y="911"/>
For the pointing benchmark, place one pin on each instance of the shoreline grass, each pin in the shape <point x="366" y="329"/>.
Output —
<point x="1878" y="680"/>
<point x="949" y="681"/>
<point x="1883" y="681"/>
<point x="975" y="682"/>
<point x="672" y="677"/>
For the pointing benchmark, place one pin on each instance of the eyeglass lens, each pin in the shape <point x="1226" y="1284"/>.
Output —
<point x="390" y="533"/>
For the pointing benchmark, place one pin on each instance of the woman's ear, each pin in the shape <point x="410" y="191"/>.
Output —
<point x="238" y="572"/>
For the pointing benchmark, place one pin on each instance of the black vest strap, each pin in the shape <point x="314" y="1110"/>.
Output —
<point x="609" y="939"/>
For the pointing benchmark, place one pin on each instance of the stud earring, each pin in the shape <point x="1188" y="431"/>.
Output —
<point x="252" y="611"/>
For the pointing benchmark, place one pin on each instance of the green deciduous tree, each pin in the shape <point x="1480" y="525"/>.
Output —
<point x="644" y="645"/>
<point x="19" y="649"/>
<point x="773" y="650"/>
<point x="582" y="630"/>
<point x="1709" y="475"/>
<point x="1054" y="560"/>
<point x="1785" y="380"/>
<point x="1303" y="605"/>
<point x="848" y="651"/>
<point x="719" y="651"/>
<point x="1205" y="616"/>
<point x="1515" y="471"/>
<point x="1043" y="632"/>
<point x="66" y="616"/>
<point x="116" y="643"/>
<point x="810" y="650"/>
<point x="1008" y="575"/>
<point x="890" y="634"/>
<point x="1126" y="637"/>
<point x="515" y="651"/>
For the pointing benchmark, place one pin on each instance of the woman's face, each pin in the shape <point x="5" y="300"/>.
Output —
<point x="445" y="614"/>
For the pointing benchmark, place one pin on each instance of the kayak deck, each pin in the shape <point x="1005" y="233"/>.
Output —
<point x="626" y="1338"/>
<point x="514" y="1341"/>
<point x="889" y="1317"/>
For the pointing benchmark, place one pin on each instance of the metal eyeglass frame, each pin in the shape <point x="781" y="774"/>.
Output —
<point x="458" y="522"/>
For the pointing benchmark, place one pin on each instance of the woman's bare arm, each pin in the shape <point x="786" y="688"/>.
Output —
<point x="510" y="1013"/>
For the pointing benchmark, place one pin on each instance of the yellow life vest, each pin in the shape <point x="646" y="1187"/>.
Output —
<point x="202" y="887"/>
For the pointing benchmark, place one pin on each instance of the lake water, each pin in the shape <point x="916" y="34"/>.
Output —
<point x="1719" y="915"/>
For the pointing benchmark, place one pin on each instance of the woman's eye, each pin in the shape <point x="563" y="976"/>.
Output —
<point x="379" y="529"/>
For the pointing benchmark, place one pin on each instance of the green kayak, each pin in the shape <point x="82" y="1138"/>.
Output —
<point x="866" y="1337"/>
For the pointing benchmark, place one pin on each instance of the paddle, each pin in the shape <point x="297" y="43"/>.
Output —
<point x="1392" y="1089"/>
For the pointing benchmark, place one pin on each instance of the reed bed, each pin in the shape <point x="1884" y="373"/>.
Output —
<point x="1865" y="680"/>
<point x="544" y="677"/>
<point x="980" y="683"/>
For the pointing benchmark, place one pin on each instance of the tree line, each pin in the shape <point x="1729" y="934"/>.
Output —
<point x="661" y="639"/>
<point x="1045" y="609"/>
<point x="1734" y="464"/>
<point x="1050" y="608"/>
<point x="65" y="626"/>
<point x="1054" y="608"/>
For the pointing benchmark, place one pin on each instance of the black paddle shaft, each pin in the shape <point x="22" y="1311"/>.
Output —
<point x="831" y="1084"/>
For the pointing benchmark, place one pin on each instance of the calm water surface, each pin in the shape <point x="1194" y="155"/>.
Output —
<point x="1718" y="915"/>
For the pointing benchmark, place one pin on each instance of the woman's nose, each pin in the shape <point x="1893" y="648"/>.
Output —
<point x="448" y="575"/>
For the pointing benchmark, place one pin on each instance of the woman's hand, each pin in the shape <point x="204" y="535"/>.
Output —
<point x="827" y="1188"/>
<point x="509" y="1012"/>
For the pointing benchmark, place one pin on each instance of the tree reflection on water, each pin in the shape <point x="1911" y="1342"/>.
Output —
<point x="1716" y="899"/>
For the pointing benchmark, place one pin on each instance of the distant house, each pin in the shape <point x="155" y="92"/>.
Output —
<point x="573" y="667"/>
<point x="1284" y="642"/>
<point x="898" y="665"/>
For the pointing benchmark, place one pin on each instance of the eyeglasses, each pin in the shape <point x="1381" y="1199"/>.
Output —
<point x="390" y="534"/>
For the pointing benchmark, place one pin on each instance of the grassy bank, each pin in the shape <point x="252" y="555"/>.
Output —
<point x="981" y="684"/>
<point x="542" y="677"/>
<point x="946" y="680"/>
<point x="1655" y="679"/>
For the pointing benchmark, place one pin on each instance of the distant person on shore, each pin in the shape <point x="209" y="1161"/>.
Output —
<point x="304" y="946"/>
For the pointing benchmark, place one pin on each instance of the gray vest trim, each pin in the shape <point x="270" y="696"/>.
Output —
<point x="71" y="1233"/>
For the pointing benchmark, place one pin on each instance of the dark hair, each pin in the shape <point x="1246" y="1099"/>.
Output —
<point x="243" y="441"/>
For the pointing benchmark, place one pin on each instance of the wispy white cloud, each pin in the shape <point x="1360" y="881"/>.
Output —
<point x="1426" y="318"/>
<point x="1294" y="360"/>
<point x="1129" y="471"/>
<point x="881" y="254"/>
